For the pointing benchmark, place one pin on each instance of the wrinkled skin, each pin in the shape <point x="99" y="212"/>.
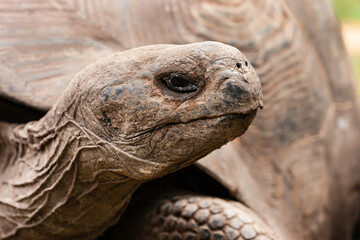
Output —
<point x="120" y="122"/>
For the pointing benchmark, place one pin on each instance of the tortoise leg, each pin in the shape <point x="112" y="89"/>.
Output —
<point x="191" y="216"/>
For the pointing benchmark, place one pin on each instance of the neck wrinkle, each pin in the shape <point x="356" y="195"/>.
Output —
<point x="8" y="151"/>
<point x="57" y="172"/>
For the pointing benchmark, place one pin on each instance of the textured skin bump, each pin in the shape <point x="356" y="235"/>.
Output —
<point x="202" y="217"/>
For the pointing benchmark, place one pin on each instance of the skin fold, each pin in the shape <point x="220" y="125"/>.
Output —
<point x="134" y="116"/>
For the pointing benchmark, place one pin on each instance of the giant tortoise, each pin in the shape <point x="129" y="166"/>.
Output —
<point x="128" y="118"/>
<point x="298" y="165"/>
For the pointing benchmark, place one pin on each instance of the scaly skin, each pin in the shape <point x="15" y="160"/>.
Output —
<point x="184" y="215"/>
<point x="120" y="122"/>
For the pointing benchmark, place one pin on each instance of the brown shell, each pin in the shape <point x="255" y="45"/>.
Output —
<point x="298" y="165"/>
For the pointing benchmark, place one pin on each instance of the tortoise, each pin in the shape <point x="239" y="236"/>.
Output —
<point x="297" y="166"/>
<point x="119" y="123"/>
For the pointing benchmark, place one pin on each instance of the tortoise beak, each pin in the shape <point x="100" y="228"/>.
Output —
<point x="242" y="96"/>
<point x="261" y="103"/>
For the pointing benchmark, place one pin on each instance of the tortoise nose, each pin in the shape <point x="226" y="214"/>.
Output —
<point x="242" y="65"/>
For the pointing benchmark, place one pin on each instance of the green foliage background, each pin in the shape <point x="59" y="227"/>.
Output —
<point x="349" y="11"/>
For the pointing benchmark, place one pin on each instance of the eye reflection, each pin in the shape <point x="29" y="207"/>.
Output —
<point x="179" y="84"/>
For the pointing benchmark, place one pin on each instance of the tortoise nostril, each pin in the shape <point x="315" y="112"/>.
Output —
<point x="238" y="65"/>
<point x="246" y="63"/>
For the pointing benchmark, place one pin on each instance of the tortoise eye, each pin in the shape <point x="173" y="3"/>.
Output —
<point x="180" y="84"/>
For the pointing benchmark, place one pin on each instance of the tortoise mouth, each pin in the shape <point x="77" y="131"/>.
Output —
<point x="196" y="138"/>
<point x="244" y="118"/>
<point x="241" y="119"/>
<point x="225" y="117"/>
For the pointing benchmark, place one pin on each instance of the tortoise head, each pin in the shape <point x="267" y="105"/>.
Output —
<point x="165" y="106"/>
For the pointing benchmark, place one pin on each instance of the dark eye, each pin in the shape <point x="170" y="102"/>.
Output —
<point x="180" y="84"/>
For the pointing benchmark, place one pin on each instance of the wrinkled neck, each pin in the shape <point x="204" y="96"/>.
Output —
<point x="50" y="147"/>
<point x="57" y="169"/>
<point x="8" y="151"/>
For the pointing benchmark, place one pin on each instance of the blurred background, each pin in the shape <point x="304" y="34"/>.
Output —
<point x="348" y="13"/>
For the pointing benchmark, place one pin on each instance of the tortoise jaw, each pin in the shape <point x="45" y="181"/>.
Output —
<point x="198" y="137"/>
<point x="249" y="114"/>
<point x="245" y="119"/>
<point x="245" y="116"/>
<point x="238" y="122"/>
